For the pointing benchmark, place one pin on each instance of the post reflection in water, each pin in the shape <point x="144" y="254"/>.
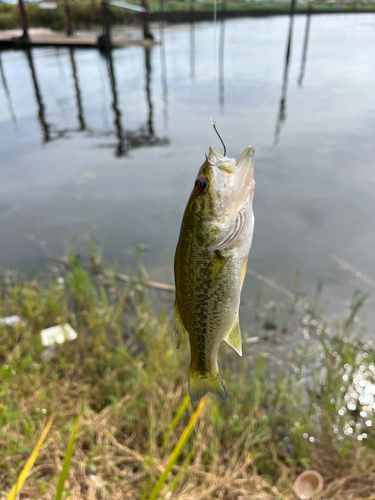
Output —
<point x="221" y="66"/>
<point x="192" y="50"/>
<point x="143" y="135"/>
<point x="81" y="119"/>
<point x="150" y="125"/>
<point x="303" y="63"/>
<point x="7" y="95"/>
<point x="164" y="85"/>
<point x="281" y="117"/>
<point x="41" y="109"/>
<point x="121" y="146"/>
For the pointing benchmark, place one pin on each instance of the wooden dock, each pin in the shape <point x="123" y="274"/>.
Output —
<point x="41" y="37"/>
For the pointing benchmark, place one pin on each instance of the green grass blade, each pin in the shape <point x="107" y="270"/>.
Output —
<point x="176" y="419"/>
<point x="181" y="472"/>
<point x="29" y="464"/>
<point x="67" y="459"/>
<point x="177" y="450"/>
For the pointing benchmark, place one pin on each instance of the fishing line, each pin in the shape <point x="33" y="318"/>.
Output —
<point x="215" y="25"/>
<point x="215" y="15"/>
<point x="215" y="75"/>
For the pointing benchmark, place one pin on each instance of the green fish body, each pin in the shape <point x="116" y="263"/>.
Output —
<point x="210" y="264"/>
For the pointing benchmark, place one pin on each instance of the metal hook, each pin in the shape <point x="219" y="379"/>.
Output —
<point x="222" y="142"/>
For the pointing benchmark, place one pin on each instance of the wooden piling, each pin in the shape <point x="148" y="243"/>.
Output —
<point x="66" y="17"/>
<point x="292" y="7"/>
<point x="24" y="40"/>
<point x="145" y="21"/>
<point x="104" y="40"/>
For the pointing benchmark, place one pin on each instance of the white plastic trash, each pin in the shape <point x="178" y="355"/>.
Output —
<point x="57" y="334"/>
<point x="12" y="321"/>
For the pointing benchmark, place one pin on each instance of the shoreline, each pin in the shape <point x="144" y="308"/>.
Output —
<point x="204" y="15"/>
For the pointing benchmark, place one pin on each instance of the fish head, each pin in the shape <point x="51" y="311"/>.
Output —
<point x="223" y="193"/>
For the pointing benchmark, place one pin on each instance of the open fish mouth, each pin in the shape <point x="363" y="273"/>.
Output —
<point x="230" y="165"/>
<point x="238" y="175"/>
<point x="216" y="159"/>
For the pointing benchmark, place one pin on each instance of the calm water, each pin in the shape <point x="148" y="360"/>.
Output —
<point x="113" y="145"/>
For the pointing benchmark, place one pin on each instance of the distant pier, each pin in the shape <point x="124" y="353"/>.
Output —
<point x="41" y="37"/>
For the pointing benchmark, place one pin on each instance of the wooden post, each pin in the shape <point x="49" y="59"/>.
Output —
<point x="192" y="11"/>
<point x="104" y="40"/>
<point x="25" y="37"/>
<point x="292" y="7"/>
<point x="161" y="9"/>
<point x="66" y="19"/>
<point x="145" y="17"/>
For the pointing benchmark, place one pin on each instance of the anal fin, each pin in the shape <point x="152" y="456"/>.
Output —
<point x="181" y="330"/>
<point x="234" y="337"/>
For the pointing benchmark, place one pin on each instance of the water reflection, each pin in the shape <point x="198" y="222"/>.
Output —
<point x="7" y="94"/>
<point x="304" y="54"/>
<point x="81" y="118"/>
<point x="164" y="84"/>
<point x="192" y="50"/>
<point x="121" y="145"/>
<point x="144" y="135"/>
<point x="148" y="93"/>
<point x="38" y="96"/>
<point x="281" y="117"/>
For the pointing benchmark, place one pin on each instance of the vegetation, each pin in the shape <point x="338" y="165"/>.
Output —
<point x="126" y="381"/>
<point x="87" y="14"/>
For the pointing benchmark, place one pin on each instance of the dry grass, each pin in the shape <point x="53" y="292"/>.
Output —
<point x="126" y="380"/>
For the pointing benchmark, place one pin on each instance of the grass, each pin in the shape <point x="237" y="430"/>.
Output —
<point x="127" y="382"/>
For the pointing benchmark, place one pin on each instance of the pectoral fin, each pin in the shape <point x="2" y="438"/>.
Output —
<point x="234" y="337"/>
<point x="215" y="267"/>
<point x="181" y="330"/>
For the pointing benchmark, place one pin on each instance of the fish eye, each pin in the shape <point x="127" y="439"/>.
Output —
<point x="202" y="185"/>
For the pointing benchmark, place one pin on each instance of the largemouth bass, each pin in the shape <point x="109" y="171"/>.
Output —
<point x="210" y="264"/>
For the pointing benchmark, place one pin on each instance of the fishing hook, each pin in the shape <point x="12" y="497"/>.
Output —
<point x="222" y="142"/>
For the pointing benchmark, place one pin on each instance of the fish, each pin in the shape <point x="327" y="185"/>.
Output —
<point x="210" y="264"/>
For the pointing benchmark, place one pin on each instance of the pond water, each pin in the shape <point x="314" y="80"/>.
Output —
<point x="111" y="146"/>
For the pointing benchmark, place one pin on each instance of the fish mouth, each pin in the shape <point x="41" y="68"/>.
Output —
<point x="230" y="165"/>
<point x="235" y="176"/>
<point x="216" y="159"/>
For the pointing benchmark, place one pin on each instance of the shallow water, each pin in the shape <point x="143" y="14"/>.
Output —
<point x="113" y="145"/>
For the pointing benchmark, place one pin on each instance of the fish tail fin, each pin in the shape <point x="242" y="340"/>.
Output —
<point x="202" y="383"/>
